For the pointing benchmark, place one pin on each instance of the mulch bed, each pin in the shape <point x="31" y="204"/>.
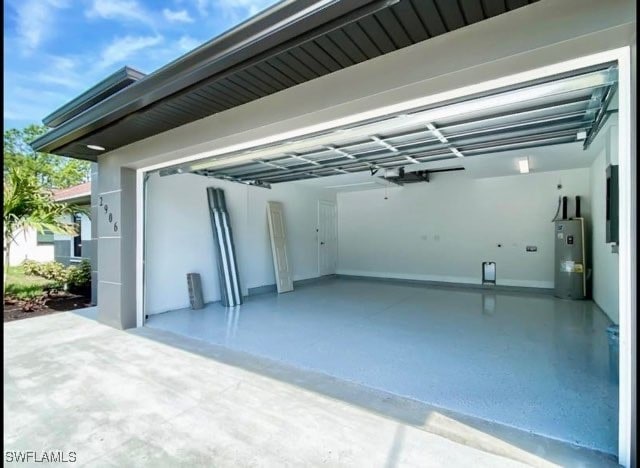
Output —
<point x="50" y="303"/>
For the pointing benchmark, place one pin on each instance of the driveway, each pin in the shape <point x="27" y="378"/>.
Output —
<point x="150" y="398"/>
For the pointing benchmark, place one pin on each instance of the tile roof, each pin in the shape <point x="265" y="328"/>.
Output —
<point x="70" y="193"/>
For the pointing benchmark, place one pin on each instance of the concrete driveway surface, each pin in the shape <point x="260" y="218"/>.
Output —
<point x="147" y="398"/>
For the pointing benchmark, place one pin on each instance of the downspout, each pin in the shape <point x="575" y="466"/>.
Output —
<point x="145" y="178"/>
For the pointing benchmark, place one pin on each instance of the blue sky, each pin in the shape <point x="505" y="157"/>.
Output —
<point x="56" y="49"/>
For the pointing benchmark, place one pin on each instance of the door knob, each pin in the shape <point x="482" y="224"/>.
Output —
<point x="321" y="243"/>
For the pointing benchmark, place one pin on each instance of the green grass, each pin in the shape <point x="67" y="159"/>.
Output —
<point x="21" y="286"/>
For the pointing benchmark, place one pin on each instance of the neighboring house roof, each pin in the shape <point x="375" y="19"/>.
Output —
<point x="76" y="194"/>
<point x="290" y="43"/>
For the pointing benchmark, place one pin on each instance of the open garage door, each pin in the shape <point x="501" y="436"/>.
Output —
<point x="565" y="109"/>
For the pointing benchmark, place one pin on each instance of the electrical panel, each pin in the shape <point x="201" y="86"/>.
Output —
<point x="612" y="205"/>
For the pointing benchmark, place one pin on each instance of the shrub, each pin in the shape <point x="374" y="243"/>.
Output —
<point x="31" y="267"/>
<point x="79" y="276"/>
<point x="75" y="276"/>
<point x="54" y="271"/>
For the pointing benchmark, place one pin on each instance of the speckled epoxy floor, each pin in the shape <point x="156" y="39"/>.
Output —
<point x="526" y="360"/>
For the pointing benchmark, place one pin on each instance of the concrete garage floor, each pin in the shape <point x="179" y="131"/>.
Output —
<point x="529" y="361"/>
<point x="148" y="398"/>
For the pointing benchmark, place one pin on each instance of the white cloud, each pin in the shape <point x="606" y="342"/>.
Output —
<point x="124" y="47"/>
<point x="24" y="105"/>
<point x="246" y="7"/>
<point x="60" y="63"/>
<point x="188" y="43"/>
<point x="233" y="10"/>
<point x="60" y="71"/>
<point x="35" y="20"/>
<point x="118" y="10"/>
<point x="202" y="6"/>
<point x="177" y="16"/>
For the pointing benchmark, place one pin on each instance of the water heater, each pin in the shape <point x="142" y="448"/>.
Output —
<point x="570" y="268"/>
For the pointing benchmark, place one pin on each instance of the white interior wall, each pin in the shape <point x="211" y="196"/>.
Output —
<point x="605" y="261"/>
<point x="443" y="230"/>
<point x="179" y="239"/>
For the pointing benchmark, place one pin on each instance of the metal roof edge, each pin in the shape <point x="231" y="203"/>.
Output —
<point x="113" y="83"/>
<point x="276" y="25"/>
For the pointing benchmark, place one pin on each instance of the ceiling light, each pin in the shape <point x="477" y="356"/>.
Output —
<point x="524" y="166"/>
<point x="96" y="147"/>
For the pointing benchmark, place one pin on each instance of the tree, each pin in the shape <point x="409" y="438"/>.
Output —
<point x="51" y="171"/>
<point x="28" y="205"/>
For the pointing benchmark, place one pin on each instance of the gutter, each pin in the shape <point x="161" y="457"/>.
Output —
<point x="110" y="85"/>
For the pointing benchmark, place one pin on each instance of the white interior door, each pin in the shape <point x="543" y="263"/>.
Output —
<point x="327" y="238"/>
<point x="275" y="216"/>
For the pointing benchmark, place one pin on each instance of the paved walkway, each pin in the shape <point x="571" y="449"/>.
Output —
<point x="150" y="398"/>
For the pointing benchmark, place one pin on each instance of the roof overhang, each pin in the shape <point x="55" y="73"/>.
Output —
<point x="78" y="200"/>
<point x="78" y="194"/>
<point x="288" y="44"/>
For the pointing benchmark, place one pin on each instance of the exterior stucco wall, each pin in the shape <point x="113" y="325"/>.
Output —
<point x="115" y="219"/>
<point x="26" y="247"/>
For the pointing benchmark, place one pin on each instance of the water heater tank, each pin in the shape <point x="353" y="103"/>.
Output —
<point x="570" y="268"/>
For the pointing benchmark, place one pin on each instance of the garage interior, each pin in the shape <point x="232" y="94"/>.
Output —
<point x="422" y="251"/>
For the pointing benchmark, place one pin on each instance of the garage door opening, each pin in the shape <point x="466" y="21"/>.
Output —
<point x="387" y="222"/>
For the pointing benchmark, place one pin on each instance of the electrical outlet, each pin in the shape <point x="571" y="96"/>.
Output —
<point x="532" y="248"/>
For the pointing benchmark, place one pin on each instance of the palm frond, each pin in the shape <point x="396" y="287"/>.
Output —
<point x="28" y="206"/>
